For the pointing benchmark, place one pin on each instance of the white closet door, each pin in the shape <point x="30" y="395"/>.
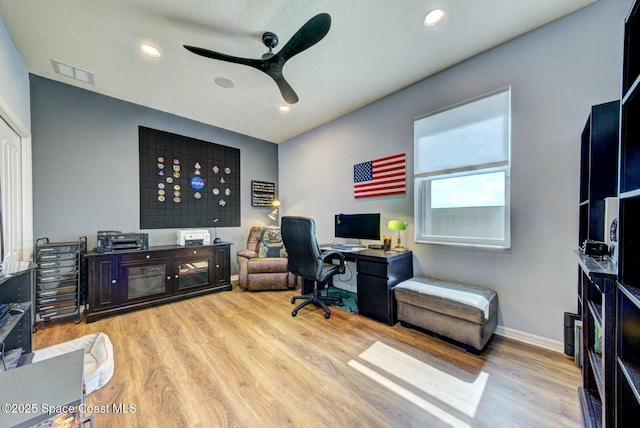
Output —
<point x="11" y="190"/>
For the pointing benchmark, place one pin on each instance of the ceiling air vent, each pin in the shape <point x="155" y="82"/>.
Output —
<point x="73" y="72"/>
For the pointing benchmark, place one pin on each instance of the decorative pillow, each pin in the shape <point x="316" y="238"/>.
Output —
<point x="271" y="243"/>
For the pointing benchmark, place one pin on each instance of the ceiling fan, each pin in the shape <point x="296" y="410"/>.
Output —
<point x="308" y="35"/>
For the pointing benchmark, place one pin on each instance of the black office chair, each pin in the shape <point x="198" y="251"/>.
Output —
<point x="307" y="261"/>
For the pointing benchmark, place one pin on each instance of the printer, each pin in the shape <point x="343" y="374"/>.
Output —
<point x="114" y="240"/>
<point x="193" y="237"/>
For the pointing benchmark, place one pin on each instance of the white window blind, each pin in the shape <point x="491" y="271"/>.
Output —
<point x="462" y="173"/>
<point x="472" y="135"/>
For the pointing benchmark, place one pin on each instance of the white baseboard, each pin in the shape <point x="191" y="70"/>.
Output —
<point x="509" y="333"/>
<point x="531" y="339"/>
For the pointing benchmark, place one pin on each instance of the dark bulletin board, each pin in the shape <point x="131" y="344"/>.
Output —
<point x="262" y="193"/>
<point x="186" y="183"/>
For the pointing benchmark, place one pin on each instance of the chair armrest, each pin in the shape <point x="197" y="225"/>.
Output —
<point x="331" y="254"/>
<point x="247" y="254"/>
<point x="327" y="256"/>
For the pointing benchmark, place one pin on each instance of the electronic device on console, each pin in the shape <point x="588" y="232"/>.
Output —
<point x="113" y="240"/>
<point x="595" y="248"/>
<point x="194" y="237"/>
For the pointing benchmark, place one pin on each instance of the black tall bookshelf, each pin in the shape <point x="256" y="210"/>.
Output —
<point x="627" y="349"/>
<point x="597" y="276"/>
<point x="598" y="168"/>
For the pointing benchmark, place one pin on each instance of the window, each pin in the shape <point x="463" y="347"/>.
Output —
<point x="462" y="173"/>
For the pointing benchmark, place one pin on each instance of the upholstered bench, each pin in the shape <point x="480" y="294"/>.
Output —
<point x="464" y="313"/>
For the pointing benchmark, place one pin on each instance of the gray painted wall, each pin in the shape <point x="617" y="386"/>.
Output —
<point x="14" y="82"/>
<point x="85" y="165"/>
<point x="556" y="73"/>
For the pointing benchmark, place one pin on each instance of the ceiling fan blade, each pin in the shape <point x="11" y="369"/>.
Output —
<point x="286" y="90"/>
<point x="224" y="57"/>
<point x="270" y="67"/>
<point x="308" y="35"/>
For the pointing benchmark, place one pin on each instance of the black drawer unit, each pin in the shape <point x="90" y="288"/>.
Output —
<point x="59" y="278"/>
<point x="378" y="273"/>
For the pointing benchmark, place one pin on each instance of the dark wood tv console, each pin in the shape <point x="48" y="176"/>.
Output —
<point x="130" y="279"/>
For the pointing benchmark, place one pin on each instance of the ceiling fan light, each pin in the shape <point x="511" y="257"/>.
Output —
<point x="224" y="82"/>
<point x="150" y="50"/>
<point x="434" y="17"/>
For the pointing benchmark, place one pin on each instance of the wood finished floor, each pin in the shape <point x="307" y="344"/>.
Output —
<point x="239" y="359"/>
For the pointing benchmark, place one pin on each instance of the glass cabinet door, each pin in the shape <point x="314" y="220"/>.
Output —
<point x="192" y="269"/>
<point x="145" y="281"/>
<point x="192" y="274"/>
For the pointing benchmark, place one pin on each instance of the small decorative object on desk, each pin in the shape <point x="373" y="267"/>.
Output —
<point x="387" y="242"/>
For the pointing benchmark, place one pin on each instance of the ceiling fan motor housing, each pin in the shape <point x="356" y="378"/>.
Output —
<point x="269" y="39"/>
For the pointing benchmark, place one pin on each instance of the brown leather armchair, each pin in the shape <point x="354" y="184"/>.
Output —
<point x="263" y="263"/>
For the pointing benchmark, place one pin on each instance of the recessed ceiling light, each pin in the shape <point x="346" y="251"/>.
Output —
<point x="150" y="50"/>
<point x="224" y="82"/>
<point x="434" y="17"/>
<point x="284" y="109"/>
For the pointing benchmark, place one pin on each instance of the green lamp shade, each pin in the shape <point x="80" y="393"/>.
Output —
<point x="397" y="225"/>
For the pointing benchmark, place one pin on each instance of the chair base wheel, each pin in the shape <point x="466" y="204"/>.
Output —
<point x="316" y="299"/>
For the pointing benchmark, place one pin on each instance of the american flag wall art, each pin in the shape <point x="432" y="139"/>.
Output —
<point x="380" y="177"/>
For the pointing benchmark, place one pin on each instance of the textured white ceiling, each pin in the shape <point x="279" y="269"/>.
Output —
<point x="374" y="48"/>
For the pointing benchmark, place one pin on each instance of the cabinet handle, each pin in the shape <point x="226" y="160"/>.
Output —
<point x="147" y="256"/>
<point x="169" y="277"/>
<point x="113" y="281"/>
<point x="177" y="276"/>
<point x="195" y="252"/>
<point x="217" y="266"/>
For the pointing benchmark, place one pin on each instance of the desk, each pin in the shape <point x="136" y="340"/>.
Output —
<point x="378" y="272"/>
<point x="43" y="390"/>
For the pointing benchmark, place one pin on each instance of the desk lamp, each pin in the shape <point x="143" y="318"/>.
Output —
<point x="274" y="214"/>
<point x="398" y="225"/>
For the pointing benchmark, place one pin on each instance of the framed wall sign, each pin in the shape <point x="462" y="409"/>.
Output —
<point x="262" y="193"/>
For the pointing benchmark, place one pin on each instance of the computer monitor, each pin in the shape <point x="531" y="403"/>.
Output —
<point x="358" y="226"/>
